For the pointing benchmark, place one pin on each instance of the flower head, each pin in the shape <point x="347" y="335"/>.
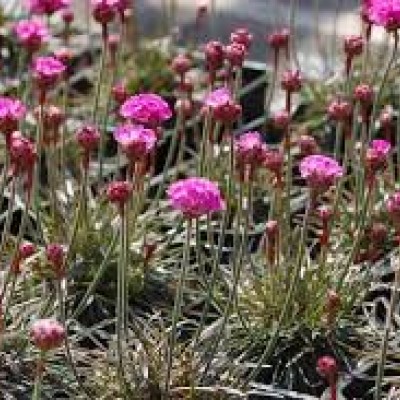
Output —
<point x="215" y="54"/>
<point x="119" y="192"/>
<point x="353" y="45"/>
<point x="393" y="207"/>
<point x="55" y="254"/>
<point x="250" y="149"/>
<point x="242" y="36"/>
<point x="385" y="13"/>
<point x="46" y="7"/>
<point x="22" y="153"/>
<point x="88" y="137"/>
<point x="181" y="64"/>
<point x="235" y="53"/>
<point x="31" y="34"/>
<point x="279" y="39"/>
<point x="327" y="367"/>
<point x="376" y="156"/>
<point x="67" y="16"/>
<point x="47" y="334"/>
<point x="308" y="145"/>
<point x="195" y="197"/>
<point x="136" y="141"/>
<point x="47" y="71"/>
<point x="221" y="103"/>
<point x="320" y="172"/>
<point x="148" y="109"/>
<point x="292" y="81"/>
<point x="364" y="94"/>
<point x="104" y="10"/>
<point x="12" y="111"/>
<point x="339" y="110"/>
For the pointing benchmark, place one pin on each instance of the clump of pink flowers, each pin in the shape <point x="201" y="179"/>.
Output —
<point x="320" y="172"/>
<point x="46" y="7"/>
<point x="385" y="13"/>
<point x="195" y="197"/>
<point x="47" y="334"/>
<point x="148" y="109"/>
<point x="31" y="34"/>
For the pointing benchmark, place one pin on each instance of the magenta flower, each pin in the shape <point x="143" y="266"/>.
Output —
<point x="136" y="141"/>
<point x="222" y="104"/>
<point x="12" y="111"/>
<point x="195" y="197"/>
<point x="104" y="10"/>
<point x="385" y="13"/>
<point x="47" y="334"/>
<point x="148" y="109"/>
<point x="46" y="7"/>
<point x="88" y="137"/>
<point x="250" y="149"/>
<point x="393" y="207"/>
<point x="22" y="153"/>
<point x="376" y="157"/>
<point x="242" y="36"/>
<point x="320" y="172"/>
<point x="218" y="97"/>
<point x="47" y="71"/>
<point x="31" y="34"/>
<point x="119" y="192"/>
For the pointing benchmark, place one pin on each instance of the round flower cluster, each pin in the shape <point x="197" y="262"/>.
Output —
<point x="250" y="149"/>
<point x="119" y="192"/>
<point x="88" y="137"/>
<point x="22" y="154"/>
<point x="221" y="103"/>
<point x="376" y="157"/>
<point x="320" y="172"/>
<point x="47" y="71"/>
<point x="136" y="141"/>
<point x="47" y="334"/>
<point x="31" y="34"/>
<point x="195" y="197"/>
<point x="385" y="13"/>
<point x="12" y="111"/>
<point x="46" y="7"/>
<point x="148" y="109"/>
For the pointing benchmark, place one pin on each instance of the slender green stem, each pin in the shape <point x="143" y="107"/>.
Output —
<point x="37" y="389"/>
<point x="385" y="339"/>
<point x="99" y="83"/>
<point x="176" y="314"/>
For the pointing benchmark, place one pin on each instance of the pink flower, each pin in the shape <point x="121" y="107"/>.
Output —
<point x="327" y="367"/>
<point x="393" y="207"/>
<point x="376" y="157"/>
<point x="222" y="104"/>
<point x="47" y="71"/>
<point x="279" y="39"/>
<point x="195" y="197"/>
<point x="31" y="34"/>
<point x="26" y="250"/>
<point x="55" y="254"/>
<point x="136" y="141"/>
<point x="250" y="149"/>
<point x="181" y="64"/>
<point x="46" y="7"/>
<point x="235" y="53"/>
<point x="242" y="36"/>
<point x="68" y="16"/>
<point x="353" y="45"/>
<point x="320" y="172"/>
<point x="119" y="192"/>
<point x="88" y="137"/>
<point x="215" y="53"/>
<point x="148" y="109"/>
<point x="385" y="13"/>
<point x="47" y="334"/>
<point x="218" y="97"/>
<point x="339" y="110"/>
<point x="12" y="111"/>
<point x="22" y="154"/>
<point x="104" y="10"/>
<point x="281" y="119"/>
<point x="364" y="93"/>
<point x="292" y="81"/>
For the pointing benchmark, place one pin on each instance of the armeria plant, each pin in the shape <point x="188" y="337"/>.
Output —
<point x="189" y="273"/>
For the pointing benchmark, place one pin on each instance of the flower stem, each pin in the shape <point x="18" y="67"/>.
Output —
<point x="178" y="305"/>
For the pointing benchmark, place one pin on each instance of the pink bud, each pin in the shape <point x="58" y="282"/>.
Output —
<point x="47" y="334"/>
<point x="235" y="53"/>
<point x="279" y="39"/>
<point x="353" y="45"/>
<point x="364" y="94"/>
<point x="55" y="254"/>
<point x="26" y="250"/>
<point x="292" y="81"/>
<point x="88" y="137"/>
<point x="339" y="110"/>
<point x="68" y="16"/>
<point x="281" y="119"/>
<point x="181" y="64"/>
<point x="120" y="93"/>
<point x="242" y="36"/>
<point x="215" y="53"/>
<point x="119" y="193"/>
